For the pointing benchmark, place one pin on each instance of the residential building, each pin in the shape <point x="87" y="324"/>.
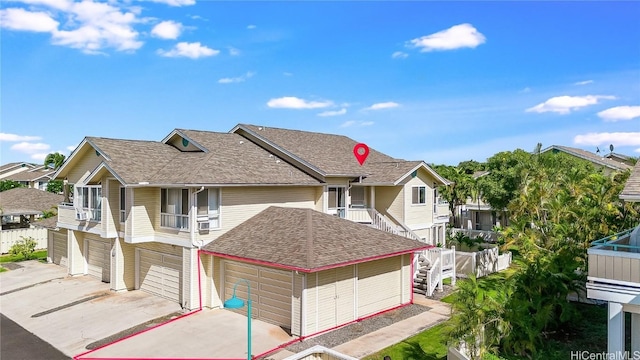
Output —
<point x="291" y="211"/>
<point x="606" y="163"/>
<point x="28" y="174"/>
<point x="614" y="276"/>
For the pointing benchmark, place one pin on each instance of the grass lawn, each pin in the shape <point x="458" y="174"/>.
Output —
<point x="427" y="345"/>
<point x="37" y="255"/>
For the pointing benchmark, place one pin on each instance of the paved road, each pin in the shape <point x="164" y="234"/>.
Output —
<point x="16" y="343"/>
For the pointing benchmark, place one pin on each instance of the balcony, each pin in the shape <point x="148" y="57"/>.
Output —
<point x="614" y="268"/>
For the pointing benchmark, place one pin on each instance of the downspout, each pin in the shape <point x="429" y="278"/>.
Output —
<point x="193" y="219"/>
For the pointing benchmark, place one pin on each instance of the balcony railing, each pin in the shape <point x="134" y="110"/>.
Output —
<point x="615" y="260"/>
<point x="175" y="221"/>
<point x="616" y="242"/>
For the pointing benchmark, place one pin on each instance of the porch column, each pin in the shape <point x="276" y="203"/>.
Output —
<point x="635" y="334"/>
<point x="75" y="250"/>
<point x="615" y="329"/>
<point x="372" y="197"/>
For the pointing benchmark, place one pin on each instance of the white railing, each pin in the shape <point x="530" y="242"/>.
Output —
<point x="175" y="221"/>
<point x="487" y="235"/>
<point x="434" y="277"/>
<point x="9" y="237"/>
<point x="379" y="222"/>
<point x="481" y="263"/>
<point x="405" y="231"/>
<point x="361" y="215"/>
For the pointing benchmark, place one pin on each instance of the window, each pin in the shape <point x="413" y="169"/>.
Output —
<point x="123" y="214"/>
<point x="419" y="195"/>
<point x="336" y="201"/>
<point x="174" y="208"/>
<point x="208" y="203"/>
<point x="357" y="197"/>
<point x="89" y="202"/>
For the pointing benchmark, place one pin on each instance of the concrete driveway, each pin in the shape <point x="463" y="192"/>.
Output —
<point x="72" y="312"/>
<point x="207" y="334"/>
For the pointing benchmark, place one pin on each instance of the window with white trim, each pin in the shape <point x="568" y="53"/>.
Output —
<point x="123" y="213"/>
<point x="208" y="205"/>
<point x="419" y="195"/>
<point x="88" y="202"/>
<point x="174" y="208"/>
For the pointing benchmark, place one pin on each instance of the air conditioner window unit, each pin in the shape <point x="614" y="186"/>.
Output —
<point x="203" y="225"/>
<point x="81" y="215"/>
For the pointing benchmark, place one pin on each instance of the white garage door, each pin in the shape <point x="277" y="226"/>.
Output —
<point x="160" y="274"/>
<point x="375" y="276"/>
<point x="99" y="259"/>
<point x="271" y="291"/>
<point x="59" y="249"/>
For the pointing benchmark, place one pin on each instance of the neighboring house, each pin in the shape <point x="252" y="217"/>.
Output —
<point x="621" y="158"/>
<point x="185" y="217"/>
<point x="614" y="276"/>
<point x="20" y="208"/>
<point x="609" y="165"/>
<point x="478" y="215"/>
<point x="28" y="174"/>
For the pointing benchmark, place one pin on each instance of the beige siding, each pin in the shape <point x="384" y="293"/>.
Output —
<point x="128" y="198"/>
<point x="59" y="256"/>
<point x="190" y="297"/>
<point x="311" y="304"/>
<point x="374" y="276"/>
<point x="160" y="247"/>
<point x="218" y="283"/>
<point x="110" y="206"/>
<point x="240" y="204"/>
<point x="124" y="272"/>
<point x="407" y="279"/>
<point x="75" y="249"/>
<point x="345" y="292"/>
<point x="422" y="213"/>
<point x="326" y="299"/>
<point x="160" y="274"/>
<point x="271" y="291"/>
<point x="296" y="305"/>
<point x="614" y="267"/>
<point x="206" y="279"/>
<point x="390" y="200"/>
<point x="98" y="257"/>
<point x="319" y="199"/>
<point x="145" y="211"/>
<point x="86" y="162"/>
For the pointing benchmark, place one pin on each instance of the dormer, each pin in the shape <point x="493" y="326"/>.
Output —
<point x="179" y="140"/>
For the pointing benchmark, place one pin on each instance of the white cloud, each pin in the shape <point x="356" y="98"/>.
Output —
<point x="620" y="113"/>
<point x="14" y="137"/>
<point x="637" y="150"/>
<point x="566" y="104"/>
<point x="30" y="148"/>
<point x="383" y="105"/>
<point x="233" y="51"/>
<point x="333" y="113"/>
<point x="292" y="102"/>
<point x="190" y="50"/>
<point x="251" y="27"/>
<point x="22" y="20"/>
<point x="586" y="82"/>
<point x="350" y="123"/>
<point x="176" y="2"/>
<point x="238" y="79"/>
<point x="39" y="156"/>
<point x="399" y="55"/>
<point x="167" y="30"/>
<point x="56" y="4"/>
<point x="525" y="90"/>
<point x="604" y="138"/>
<point x="71" y="147"/>
<point x="455" y="37"/>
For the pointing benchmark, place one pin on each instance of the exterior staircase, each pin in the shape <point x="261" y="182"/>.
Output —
<point x="431" y="267"/>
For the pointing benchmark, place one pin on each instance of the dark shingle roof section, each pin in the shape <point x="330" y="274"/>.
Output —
<point x="594" y="158"/>
<point x="307" y="240"/>
<point x="331" y="154"/>
<point x="231" y="159"/>
<point x="32" y="175"/>
<point x="27" y="201"/>
<point x="48" y="223"/>
<point x="631" y="191"/>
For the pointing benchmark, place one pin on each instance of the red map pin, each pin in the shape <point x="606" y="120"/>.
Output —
<point x="361" y="151"/>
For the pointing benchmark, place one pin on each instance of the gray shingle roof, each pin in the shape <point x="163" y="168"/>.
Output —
<point x="48" y="223"/>
<point x="307" y="240"/>
<point x="27" y="201"/>
<point x="32" y="175"/>
<point x="631" y="191"/>
<point x="231" y="159"/>
<point x="586" y="155"/>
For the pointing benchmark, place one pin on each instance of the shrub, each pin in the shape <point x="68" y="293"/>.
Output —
<point x="24" y="247"/>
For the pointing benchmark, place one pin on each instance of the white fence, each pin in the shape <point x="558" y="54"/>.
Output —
<point x="481" y="263"/>
<point x="486" y="235"/>
<point x="10" y="237"/>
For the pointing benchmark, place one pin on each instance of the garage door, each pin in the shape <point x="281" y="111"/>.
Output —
<point x="99" y="259"/>
<point x="375" y="276"/>
<point x="59" y="249"/>
<point x="160" y="274"/>
<point x="271" y="291"/>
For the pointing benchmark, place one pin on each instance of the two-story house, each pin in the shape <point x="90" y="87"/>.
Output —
<point x="186" y="217"/>
<point x="614" y="276"/>
<point x="27" y="174"/>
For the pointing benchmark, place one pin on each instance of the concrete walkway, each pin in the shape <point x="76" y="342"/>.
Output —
<point x="380" y="339"/>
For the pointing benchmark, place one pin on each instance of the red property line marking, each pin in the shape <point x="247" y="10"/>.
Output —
<point x="279" y="347"/>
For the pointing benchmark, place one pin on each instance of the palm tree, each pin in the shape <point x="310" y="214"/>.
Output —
<point x="54" y="160"/>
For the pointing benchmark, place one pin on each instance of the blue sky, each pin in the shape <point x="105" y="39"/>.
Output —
<point x="436" y="81"/>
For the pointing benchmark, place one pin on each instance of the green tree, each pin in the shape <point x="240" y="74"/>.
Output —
<point x="54" y="160"/>
<point x="55" y="186"/>
<point x="458" y="191"/>
<point x="9" y="184"/>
